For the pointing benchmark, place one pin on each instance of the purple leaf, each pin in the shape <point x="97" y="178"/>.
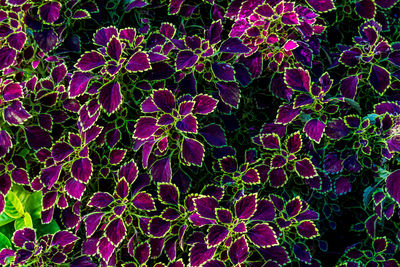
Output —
<point x="61" y="150"/>
<point x="264" y="10"/>
<point x="79" y="83"/>
<point x="164" y="100"/>
<point x="145" y="127"/>
<point x="393" y="185"/>
<point x="290" y="18"/>
<point x="114" y="49"/>
<point x="22" y="236"/>
<point x="5" y="143"/>
<point x="348" y="86"/>
<point x="49" y="175"/>
<point x="305" y="168"/>
<point x="192" y="152"/>
<point x="168" y="193"/>
<point x="186" y="107"/>
<point x="298" y="79"/>
<point x="128" y="171"/>
<point x="5" y="183"/>
<point x="158" y="227"/>
<point x="265" y="211"/>
<point x="336" y="129"/>
<point x="229" y="92"/>
<point x="161" y="170"/>
<point x="214" y="135"/>
<point x="277" y="254"/>
<point x="74" y="188"/>
<point x="138" y="62"/>
<point x="286" y="114"/>
<point x="7" y="56"/>
<point x="314" y="129"/>
<point x="5" y="253"/>
<point x="187" y="124"/>
<point x="142" y="253"/>
<point x="333" y="163"/>
<point x="294" y="143"/>
<point x="105" y="249"/>
<point x="199" y="254"/>
<point x="302" y="253"/>
<point x="110" y="97"/>
<point x="379" y="78"/>
<point x="63" y="238"/>
<point x="213" y="34"/>
<point x="49" y="199"/>
<point x="239" y="251"/>
<point x="2" y="203"/>
<point x="17" y="40"/>
<point x="90" y="61"/>
<point x="321" y="5"/>
<point x="277" y="177"/>
<point x="143" y="201"/>
<point x="174" y="6"/>
<point x="386" y="3"/>
<point x="50" y="12"/>
<point x="92" y="221"/>
<point x="82" y="169"/>
<point x="224" y="216"/>
<point x="262" y="235"/>
<point x="365" y="9"/>
<point x="394" y="57"/>
<point x="204" y="105"/>
<point x="136" y="4"/>
<point x="37" y="137"/>
<point x="104" y="35"/>
<point x="206" y="206"/>
<point x="307" y="229"/>
<point x="12" y="91"/>
<point x="216" y="235"/>
<point x="350" y="57"/>
<point x="251" y="177"/>
<point x="233" y="45"/>
<point x="116" y="231"/>
<point x="20" y="176"/>
<point x="58" y="73"/>
<point x="246" y="206"/>
<point x="342" y="185"/>
<point x="270" y="141"/>
<point x="100" y="200"/>
<point x="116" y="156"/>
<point x="223" y="71"/>
<point x="186" y="59"/>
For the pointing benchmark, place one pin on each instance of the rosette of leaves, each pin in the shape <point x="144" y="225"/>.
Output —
<point x="282" y="159"/>
<point x="171" y="126"/>
<point x="369" y="52"/>
<point x="277" y="30"/>
<point x="47" y="250"/>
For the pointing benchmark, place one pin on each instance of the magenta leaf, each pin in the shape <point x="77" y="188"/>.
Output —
<point x="199" y="254"/>
<point x="161" y="170"/>
<point x="49" y="176"/>
<point x="100" y="200"/>
<point x="61" y="150"/>
<point x="82" y="169"/>
<point x="104" y="35"/>
<point x="116" y="231"/>
<point x="92" y="221"/>
<point x="204" y="104"/>
<point x="305" y="168"/>
<point x="246" y="206"/>
<point x="7" y="56"/>
<point x="110" y="97"/>
<point x="192" y="152"/>
<point x="90" y="61"/>
<point x="239" y="251"/>
<point x="307" y="229"/>
<point x="298" y="79"/>
<point x="145" y="127"/>
<point x="143" y="201"/>
<point x="138" y="62"/>
<point x="186" y="59"/>
<point x="262" y="235"/>
<point x="216" y="235"/>
<point x="314" y="129"/>
<point x="206" y="206"/>
<point x="79" y="83"/>
<point x="50" y="12"/>
<point x="287" y="114"/>
<point x="321" y="5"/>
<point x="229" y="92"/>
<point x="12" y="91"/>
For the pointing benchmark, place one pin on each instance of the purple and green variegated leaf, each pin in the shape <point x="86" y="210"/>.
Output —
<point x="277" y="177"/>
<point x="105" y="249"/>
<point x="37" y="137"/>
<point x="92" y="221"/>
<point x="143" y="201"/>
<point x="213" y="34"/>
<point x="61" y="150"/>
<point x="145" y="127"/>
<point x="336" y="129"/>
<point x="79" y="83"/>
<point x="394" y="57"/>
<point x="393" y="185"/>
<point x="24" y="235"/>
<point x="59" y="258"/>
<point x="351" y="57"/>
<point x="58" y="73"/>
<point x="82" y="169"/>
<point x="393" y="144"/>
<point x="168" y="30"/>
<point x="128" y="171"/>
<point x="114" y="49"/>
<point x="333" y="163"/>
<point x="214" y="135"/>
<point x="342" y="185"/>
<point x="2" y="203"/>
<point x="5" y="183"/>
<point x="228" y="164"/>
<point x="4" y="254"/>
<point x="74" y="188"/>
<point x="7" y="56"/>
<point x="238" y="251"/>
<point x="116" y="231"/>
<point x="305" y="168"/>
<point x="286" y="114"/>
<point x="314" y="129"/>
<point x="242" y="74"/>
<point x="379" y="78"/>
<point x="16" y="113"/>
<point x="303" y="100"/>
<point x="365" y="9"/>
<point x="161" y="170"/>
<point x="165" y="119"/>
<point x="307" y="229"/>
<point x="186" y="59"/>
<point x="168" y="193"/>
<point x="104" y="35"/>
<point x="5" y="143"/>
<point x="110" y="97"/>
<point x="206" y="206"/>
<point x="262" y="235"/>
<point x="174" y="6"/>
<point x="138" y="62"/>
<point x="279" y="88"/>
<point x="386" y="3"/>
<point x="321" y="5"/>
<point x="116" y="156"/>
<point x="49" y="176"/>
<point x="50" y="12"/>
<point x="246" y="206"/>
<point x="290" y="18"/>
<point x="264" y="10"/>
<point x="49" y="199"/>
<point x="20" y="176"/>
<point x="348" y="86"/>
<point x="224" y="215"/>
<point x="271" y="141"/>
<point x="170" y="214"/>
<point x="229" y="93"/>
<point x="100" y="200"/>
<point x="204" y="104"/>
<point x="293" y="207"/>
<point x="302" y="253"/>
<point x="199" y="254"/>
<point x="277" y="254"/>
<point x="12" y="91"/>
<point x="63" y="238"/>
<point x="298" y="79"/>
<point x="223" y="71"/>
<point x="142" y="252"/>
<point x="164" y="99"/>
<point x="170" y="250"/>
<point x="192" y="152"/>
<point x="81" y="14"/>
<point x="240" y="228"/>
<point x="234" y="45"/>
<point x="380" y="244"/>
<point x="186" y="107"/>
<point x="158" y="227"/>
<point x="197" y="220"/>
<point x="90" y="61"/>
<point x="265" y="211"/>
<point x="278" y="161"/>
<point x="122" y="188"/>
<point x="251" y="176"/>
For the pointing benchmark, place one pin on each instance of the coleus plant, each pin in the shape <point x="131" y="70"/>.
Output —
<point x="171" y="126"/>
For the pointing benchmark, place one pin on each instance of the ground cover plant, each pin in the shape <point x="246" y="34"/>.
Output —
<point x="199" y="133"/>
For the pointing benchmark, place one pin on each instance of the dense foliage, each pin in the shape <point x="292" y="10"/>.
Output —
<point x="199" y="133"/>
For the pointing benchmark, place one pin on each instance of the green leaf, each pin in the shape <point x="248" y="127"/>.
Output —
<point x="25" y="221"/>
<point x="13" y="207"/>
<point x="44" y="229"/>
<point x="5" y="219"/>
<point x="33" y="205"/>
<point x="4" y="242"/>
<point x="354" y="104"/>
